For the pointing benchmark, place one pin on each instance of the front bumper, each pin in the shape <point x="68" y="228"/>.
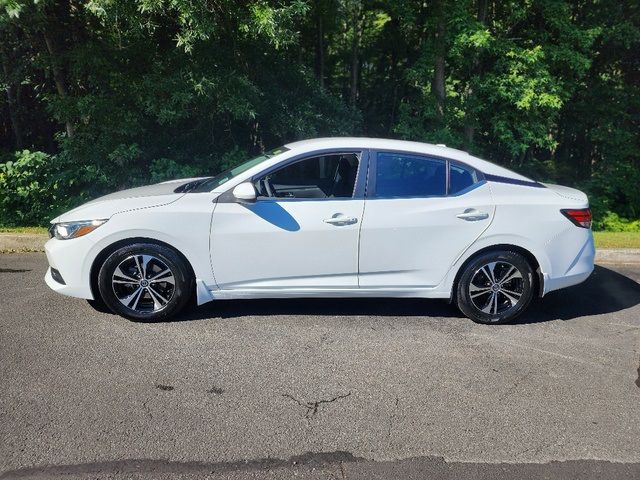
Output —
<point x="71" y="258"/>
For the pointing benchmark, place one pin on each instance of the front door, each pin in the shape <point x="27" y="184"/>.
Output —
<point x="301" y="233"/>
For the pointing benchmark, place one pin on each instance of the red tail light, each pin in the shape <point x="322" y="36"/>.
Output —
<point x="579" y="217"/>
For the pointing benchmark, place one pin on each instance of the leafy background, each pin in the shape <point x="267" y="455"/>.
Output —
<point x="106" y="94"/>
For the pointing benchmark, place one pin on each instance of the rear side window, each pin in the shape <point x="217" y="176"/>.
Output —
<point x="461" y="178"/>
<point x="404" y="175"/>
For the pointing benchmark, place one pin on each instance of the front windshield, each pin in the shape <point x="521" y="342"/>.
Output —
<point x="214" y="182"/>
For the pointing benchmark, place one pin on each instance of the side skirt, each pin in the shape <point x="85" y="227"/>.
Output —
<point x="231" y="294"/>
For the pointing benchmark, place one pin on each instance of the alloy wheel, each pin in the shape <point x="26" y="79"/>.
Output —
<point x="143" y="283"/>
<point x="496" y="287"/>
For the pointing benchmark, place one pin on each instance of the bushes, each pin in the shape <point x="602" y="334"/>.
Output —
<point x="612" y="222"/>
<point x="29" y="188"/>
<point x="36" y="186"/>
<point x="166" y="169"/>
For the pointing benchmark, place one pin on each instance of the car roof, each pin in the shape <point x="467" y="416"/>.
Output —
<point x="438" y="150"/>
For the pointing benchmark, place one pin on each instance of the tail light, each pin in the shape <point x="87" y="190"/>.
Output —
<point x="579" y="217"/>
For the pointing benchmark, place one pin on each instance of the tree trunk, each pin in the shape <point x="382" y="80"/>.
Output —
<point x="58" y="74"/>
<point x="320" y="61"/>
<point x="355" y="53"/>
<point x="469" y="128"/>
<point x="438" y="66"/>
<point x="482" y="10"/>
<point x="13" y="103"/>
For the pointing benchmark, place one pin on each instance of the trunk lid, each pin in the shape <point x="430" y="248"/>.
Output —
<point x="568" y="192"/>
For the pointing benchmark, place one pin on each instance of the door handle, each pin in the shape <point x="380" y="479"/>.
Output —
<point x="340" y="219"/>
<point x="472" y="215"/>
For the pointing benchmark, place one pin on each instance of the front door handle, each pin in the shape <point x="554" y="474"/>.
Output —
<point x="340" y="219"/>
<point x="472" y="215"/>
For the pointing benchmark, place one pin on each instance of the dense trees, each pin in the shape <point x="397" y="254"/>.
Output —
<point x="120" y="92"/>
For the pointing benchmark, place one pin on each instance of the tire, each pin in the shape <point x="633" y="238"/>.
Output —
<point x="495" y="287"/>
<point x="145" y="282"/>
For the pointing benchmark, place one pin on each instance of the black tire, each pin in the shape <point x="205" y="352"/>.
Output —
<point x="152" y="297"/>
<point x="496" y="295"/>
<point x="98" y="305"/>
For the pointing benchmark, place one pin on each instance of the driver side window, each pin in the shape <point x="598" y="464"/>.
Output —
<point x="324" y="176"/>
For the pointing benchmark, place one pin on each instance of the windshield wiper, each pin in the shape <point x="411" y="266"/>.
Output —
<point x="187" y="187"/>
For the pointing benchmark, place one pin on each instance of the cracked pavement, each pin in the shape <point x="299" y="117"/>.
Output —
<point x="361" y="388"/>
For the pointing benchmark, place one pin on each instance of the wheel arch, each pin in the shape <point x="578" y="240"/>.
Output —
<point x="112" y="247"/>
<point x="528" y="255"/>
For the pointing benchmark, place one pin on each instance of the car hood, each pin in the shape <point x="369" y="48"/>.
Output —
<point x="125" y="200"/>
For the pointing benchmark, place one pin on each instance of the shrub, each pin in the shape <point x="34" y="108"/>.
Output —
<point x="612" y="222"/>
<point x="29" y="187"/>
<point x="164" y="169"/>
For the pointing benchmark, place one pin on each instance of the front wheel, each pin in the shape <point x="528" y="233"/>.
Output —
<point x="495" y="287"/>
<point x="145" y="282"/>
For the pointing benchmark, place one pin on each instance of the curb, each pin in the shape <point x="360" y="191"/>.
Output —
<point x="34" y="242"/>
<point x="22" y="242"/>
<point x="618" y="256"/>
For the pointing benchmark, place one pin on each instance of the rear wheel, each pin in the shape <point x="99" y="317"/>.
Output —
<point x="495" y="287"/>
<point x="145" y="282"/>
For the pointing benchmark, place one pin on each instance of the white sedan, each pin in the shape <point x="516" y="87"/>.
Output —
<point x="330" y="217"/>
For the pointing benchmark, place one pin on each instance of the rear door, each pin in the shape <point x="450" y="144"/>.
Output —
<point x="421" y="213"/>
<point x="301" y="233"/>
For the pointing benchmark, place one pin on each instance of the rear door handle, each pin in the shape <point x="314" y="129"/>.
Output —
<point x="340" y="219"/>
<point x="472" y="215"/>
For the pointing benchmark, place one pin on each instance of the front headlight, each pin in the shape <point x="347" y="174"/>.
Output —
<point x="67" y="230"/>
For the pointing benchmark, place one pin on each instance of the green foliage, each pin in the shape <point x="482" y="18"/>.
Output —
<point x="611" y="222"/>
<point x="164" y="169"/>
<point x="29" y="186"/>
<point x="123" y="92"/>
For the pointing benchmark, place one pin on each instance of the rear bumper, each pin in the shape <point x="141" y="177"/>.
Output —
<point x="551" y="284"/>
<point x="578" y="270"/>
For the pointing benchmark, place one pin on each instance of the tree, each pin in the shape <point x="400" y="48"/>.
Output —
<point x="121" y="92"/>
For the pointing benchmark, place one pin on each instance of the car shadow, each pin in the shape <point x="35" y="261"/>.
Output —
<point x="606" y="291"/>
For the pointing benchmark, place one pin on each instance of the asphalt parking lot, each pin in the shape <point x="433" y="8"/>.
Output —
<point x="320" y="388"/>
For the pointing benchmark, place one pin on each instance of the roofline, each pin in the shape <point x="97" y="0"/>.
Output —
<point x="407" y="146"/>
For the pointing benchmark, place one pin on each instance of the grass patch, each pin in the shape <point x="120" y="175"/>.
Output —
<point x="617" y="239"/>
<point x="23" y="230"/>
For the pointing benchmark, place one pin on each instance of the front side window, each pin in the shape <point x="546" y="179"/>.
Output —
<point x="324" y="176"/>
<point x="405" y="175"/>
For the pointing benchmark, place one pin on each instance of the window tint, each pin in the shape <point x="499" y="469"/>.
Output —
<point x="326" y="176"/>
<point x="403" y="175"/>
<point x="460" y="178"/>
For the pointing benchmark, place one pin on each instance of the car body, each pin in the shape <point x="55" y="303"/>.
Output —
<point x="333" y="217"/>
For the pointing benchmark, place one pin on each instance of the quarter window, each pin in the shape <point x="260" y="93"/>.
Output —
<point x="461" y="178"/>
<point x="403" y="175"/>
<point x="325" y="176"/>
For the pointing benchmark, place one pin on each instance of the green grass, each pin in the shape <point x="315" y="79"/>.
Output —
<point x="23" y="230"/>
<point x="617" y="239"/>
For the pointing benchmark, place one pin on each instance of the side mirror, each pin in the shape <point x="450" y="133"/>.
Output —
<point x="245" y="193"/>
